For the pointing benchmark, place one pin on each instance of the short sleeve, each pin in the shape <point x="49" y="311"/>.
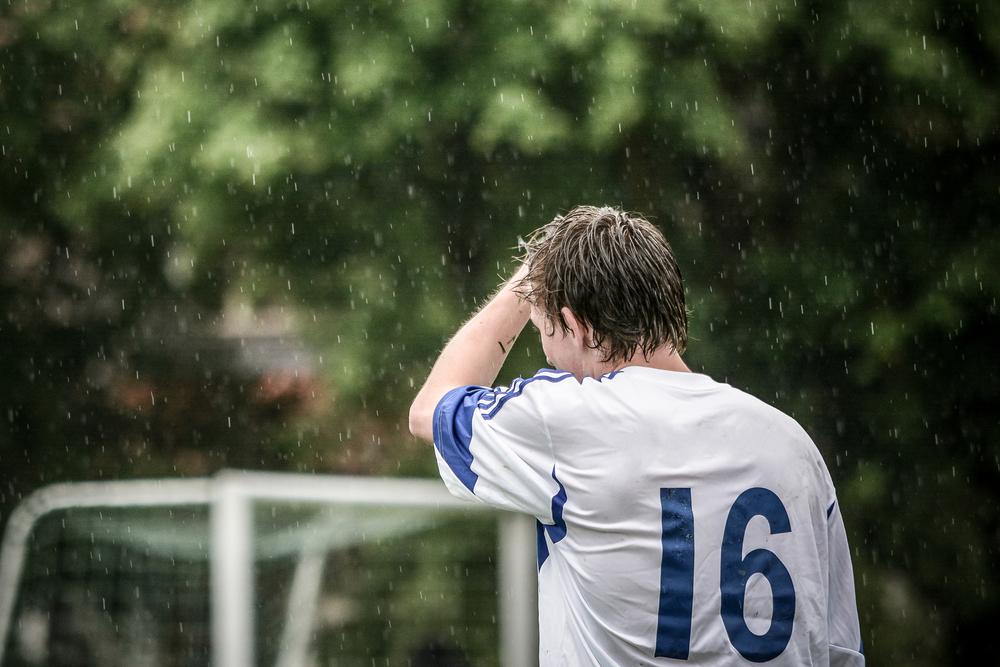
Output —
<point x="846" y="649"/>
<point x="492" y="445"/>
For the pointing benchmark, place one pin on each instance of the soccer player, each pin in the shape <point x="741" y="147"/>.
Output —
<point x="680" y="521"/>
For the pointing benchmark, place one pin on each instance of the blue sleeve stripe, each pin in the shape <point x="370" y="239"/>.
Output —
<point x="829" y="510"/>
<point x="491" y="412"/>
<point x="516" y="386"/>
<point x="492" y="397"/>
<point x="453" y="431"/>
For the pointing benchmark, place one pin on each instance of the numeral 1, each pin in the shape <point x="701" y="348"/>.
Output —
<point x="673" y="624"/>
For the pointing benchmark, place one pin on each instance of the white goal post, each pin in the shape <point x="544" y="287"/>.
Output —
<point x="229" y="495"/>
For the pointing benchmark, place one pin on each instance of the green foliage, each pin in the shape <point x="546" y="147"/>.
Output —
<point x="353" y="177"/>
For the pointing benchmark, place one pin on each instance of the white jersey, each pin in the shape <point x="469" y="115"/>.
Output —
<point x="681" y="521"/>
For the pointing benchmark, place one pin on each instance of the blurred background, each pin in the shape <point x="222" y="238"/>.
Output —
<point x="236" y="235"/>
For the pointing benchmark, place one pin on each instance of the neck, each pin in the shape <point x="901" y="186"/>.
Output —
<point x="663" y="358"/>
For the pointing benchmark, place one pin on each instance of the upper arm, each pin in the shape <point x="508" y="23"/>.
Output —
<point x="493" y="444"/>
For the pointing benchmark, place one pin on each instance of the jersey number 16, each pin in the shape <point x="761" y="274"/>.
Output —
<point x="673" y="626"/>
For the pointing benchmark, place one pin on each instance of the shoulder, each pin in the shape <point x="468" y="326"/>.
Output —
<point x="758" y="409"/>
<point x="534" y="393"/>
<point x="789" y="438"/>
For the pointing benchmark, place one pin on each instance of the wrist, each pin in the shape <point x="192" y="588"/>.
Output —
<point x="513" y="302"/>
<point x="512" y="289"/>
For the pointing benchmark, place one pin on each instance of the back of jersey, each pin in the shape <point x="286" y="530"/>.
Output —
<point x="681" y="521"/>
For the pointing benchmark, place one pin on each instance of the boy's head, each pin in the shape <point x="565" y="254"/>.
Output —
<point x="617" y="277"/>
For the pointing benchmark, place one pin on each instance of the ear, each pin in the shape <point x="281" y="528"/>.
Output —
<point x="577" y="329"/>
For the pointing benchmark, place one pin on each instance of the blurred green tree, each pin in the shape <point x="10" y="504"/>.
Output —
<point x="237" y="235"/>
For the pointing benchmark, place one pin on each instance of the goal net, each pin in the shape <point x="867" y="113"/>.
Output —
<point x="264" y="569"/>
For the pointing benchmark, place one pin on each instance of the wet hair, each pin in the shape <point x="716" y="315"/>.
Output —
<point x="616" y="272"/>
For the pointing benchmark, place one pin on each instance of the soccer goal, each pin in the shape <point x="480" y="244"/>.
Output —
<point x="248" y="568"/>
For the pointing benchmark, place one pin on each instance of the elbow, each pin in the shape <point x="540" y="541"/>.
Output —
<point x="420" y="422"/>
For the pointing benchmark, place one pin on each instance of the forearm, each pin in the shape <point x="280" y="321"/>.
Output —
<point x="473" y="356"/>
